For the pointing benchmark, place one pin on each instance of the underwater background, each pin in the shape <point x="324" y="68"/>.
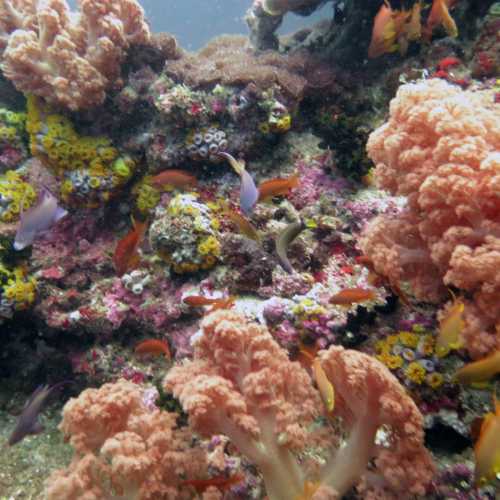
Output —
<point x="249" y="249"/>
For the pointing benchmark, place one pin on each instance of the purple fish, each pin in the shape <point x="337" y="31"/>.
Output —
<point x="27" y="423"/>
<point x="249" y="194"/>
<point x="39" y="218"/>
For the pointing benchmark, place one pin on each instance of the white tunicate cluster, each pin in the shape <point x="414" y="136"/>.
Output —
<point x="206" y="145"/>
<point x="136" y="281"/>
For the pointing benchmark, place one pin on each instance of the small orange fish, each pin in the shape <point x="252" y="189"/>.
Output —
<point x="245" y="227"/>
<point x="155" y="347"/>
<point x="325" y="387"/>
<point x="450" y="328"/>
<point x="307" y="358"/>
<point x="350" y="296"/>
<point x="223" y="483"/>
<point x="487" y="447"/>
<point x="176" y="178"/>
<point x="199" y="300"/>
<point x="277" y="187"/>
<point x="440" y="14"/>
<point x="306" y="354"/>
<point x="126" y="256"/>
<point x="479" y="371"/>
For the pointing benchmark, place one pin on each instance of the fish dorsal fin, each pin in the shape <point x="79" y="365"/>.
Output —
<point x="238" y="165"/>
<point x="35" y="394"/>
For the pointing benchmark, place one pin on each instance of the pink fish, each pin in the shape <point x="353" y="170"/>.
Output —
<point x="39" y="218"/>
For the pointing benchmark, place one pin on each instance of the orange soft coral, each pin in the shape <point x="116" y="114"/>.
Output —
<point x="242" y="384"/>
<point x="123" y="449"/>
<point x="68" y="59"/>
<point x="440" y="150"/>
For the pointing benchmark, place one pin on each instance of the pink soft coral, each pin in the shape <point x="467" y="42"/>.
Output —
<point x="242" y="384"/>
<point x="123" y="449"/>
<point x="68" y="59"/>
<point x="439" y="148"/>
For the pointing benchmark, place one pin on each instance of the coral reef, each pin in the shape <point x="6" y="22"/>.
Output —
<point x="440" y="150"/>
<point x="242" y="384"/>
<point x="89" y="168"/>
<point x="12" y="139"/>
<point x="298" y="346"/>
<point x="124" y="446"/>
<point x="15" y="195"/>
<point x="47" y="53"/>
<point x="226" y="61"/>
<point x="185" y="234"/>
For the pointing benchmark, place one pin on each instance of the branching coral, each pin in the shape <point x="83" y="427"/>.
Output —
<point x="242" y="384"/>
<point x="68" y="59"/>
<point x="440" y="150"/>
<point x="123" y="448"/>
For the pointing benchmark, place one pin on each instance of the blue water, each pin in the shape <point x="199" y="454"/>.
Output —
<point x="194" y="22"/>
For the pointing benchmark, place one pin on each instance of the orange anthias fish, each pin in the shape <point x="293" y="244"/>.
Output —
<point x="199" y="300"/>
<point x="223" y="483"/>
<point x="325" y="387"/>
<point x="126" y="256"/>
<point x="175" y="178"/>
<point x="277" y="187"/>
<point x="479" y="371"/>
<point x="155" y="347"/>
<point x="450" y="329"/>
<point x="245" y="227"/>
<point x="308" y="359"/>
<point x="440" y="14"/>
<point x="487" y="447"/>
<point x="387" y="26"/>
<point x="393" y="29"/>
<point x="350" y="296"/>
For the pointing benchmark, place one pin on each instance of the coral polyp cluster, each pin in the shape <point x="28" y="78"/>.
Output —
<point x="90" y="168"/>
<point x="185" y="234"/>
<point x="412" y="355"/>
<point x="205" y="144"/>
<point x="15" y="194"/>
<point x="13" y="145"/>
<point x="17" y="290"/>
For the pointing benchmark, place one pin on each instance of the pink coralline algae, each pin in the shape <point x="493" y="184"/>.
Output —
<point x="69" y="60"/>
<point x="314" y="181"/>
<point x="242" y="384"/>
<point x="440" y="150"/>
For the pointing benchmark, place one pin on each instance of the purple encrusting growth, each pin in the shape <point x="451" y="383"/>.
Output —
<point x="39" y="218"/>
<point x="28" y="423"/>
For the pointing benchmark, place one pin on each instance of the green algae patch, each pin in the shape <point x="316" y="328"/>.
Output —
<point x="25" y="466"/>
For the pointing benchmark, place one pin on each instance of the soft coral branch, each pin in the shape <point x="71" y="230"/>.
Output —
<point x="242" y="384"/>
